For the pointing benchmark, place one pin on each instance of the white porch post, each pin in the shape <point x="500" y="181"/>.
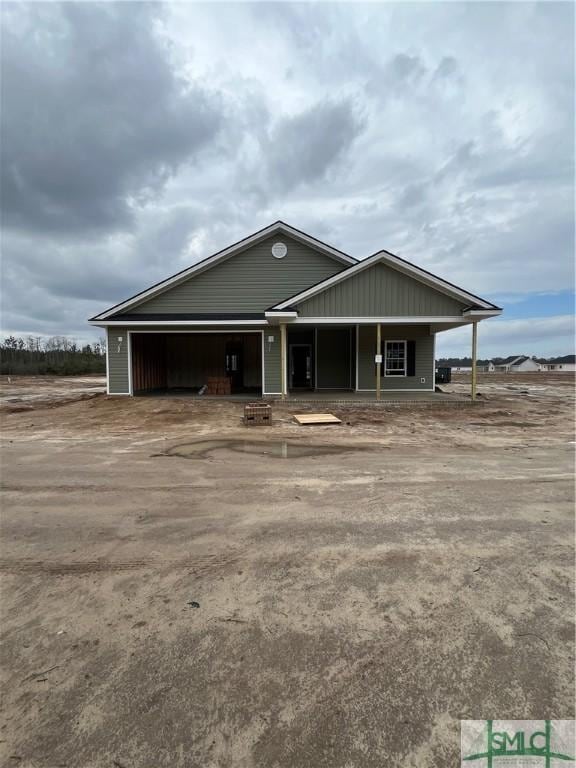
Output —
<point x="283" y="363"/>
<point x="378" y="352"/>
<point x="474" y="355"/>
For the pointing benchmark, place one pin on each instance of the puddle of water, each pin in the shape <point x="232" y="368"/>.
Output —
<point x="276" y="449"/>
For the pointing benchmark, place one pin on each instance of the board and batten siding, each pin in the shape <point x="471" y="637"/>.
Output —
<point x="425" y="364"/>
<point x="380" y="291"/>
<point x="118" y="376"/>
<point x="250" y="281"/>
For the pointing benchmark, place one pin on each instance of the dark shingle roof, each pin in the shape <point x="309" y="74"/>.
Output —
<point x="175" y="316"/>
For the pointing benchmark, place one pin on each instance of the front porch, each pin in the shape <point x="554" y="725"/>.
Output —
<point x="325" y="362"/>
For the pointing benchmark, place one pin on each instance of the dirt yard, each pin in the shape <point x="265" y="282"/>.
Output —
<point x="287" y="605"/>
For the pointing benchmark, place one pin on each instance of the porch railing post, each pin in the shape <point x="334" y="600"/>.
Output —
<point x="474" y="355"/>
<point x="378" y="353"/>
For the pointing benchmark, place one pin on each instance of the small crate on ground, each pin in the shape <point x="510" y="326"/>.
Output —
<point x="258" y="414"/>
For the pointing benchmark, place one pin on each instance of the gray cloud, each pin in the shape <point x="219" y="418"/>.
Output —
<point x="95" y="119"/>
<point x="404" y="70"/>
<point x="303" y="148"/>
<point x="138" y="138"/>
<point x="448" y="67"/>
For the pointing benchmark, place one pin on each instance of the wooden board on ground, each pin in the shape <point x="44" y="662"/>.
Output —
<point x="317" y="418"/>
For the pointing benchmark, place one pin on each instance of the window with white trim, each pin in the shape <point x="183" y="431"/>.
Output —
<point x="395" y="358"/>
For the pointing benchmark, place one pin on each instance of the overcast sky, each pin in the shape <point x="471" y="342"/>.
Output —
<point x="138" y="138"/>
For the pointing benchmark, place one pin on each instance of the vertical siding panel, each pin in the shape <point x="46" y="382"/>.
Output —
<point x="380" y="291"/>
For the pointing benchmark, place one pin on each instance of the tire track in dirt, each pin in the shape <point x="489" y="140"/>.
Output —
<point x="197" y="565"/>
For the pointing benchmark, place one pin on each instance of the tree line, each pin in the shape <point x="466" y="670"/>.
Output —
<point x="56" y="356"/>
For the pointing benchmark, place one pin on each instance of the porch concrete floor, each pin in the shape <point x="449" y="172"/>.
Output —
<point x="332" y="396"/>
<point x="343" y="396"/>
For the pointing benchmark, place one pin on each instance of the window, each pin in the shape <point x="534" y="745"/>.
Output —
<point x="395" y="358"/>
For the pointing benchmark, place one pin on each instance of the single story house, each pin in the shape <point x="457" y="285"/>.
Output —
<point x="517" y="364"/>
<point x="281" y="312"/>
<point x="565" y="364"/>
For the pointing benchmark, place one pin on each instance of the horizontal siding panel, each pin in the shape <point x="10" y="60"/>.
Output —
<point x="380" y="291"/>
<point x="117" y="352"/>
<point x="272" y="368"/>
<point x="250" y="281"/>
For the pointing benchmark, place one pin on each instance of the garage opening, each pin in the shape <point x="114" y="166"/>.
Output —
<point x="189" y="362"/>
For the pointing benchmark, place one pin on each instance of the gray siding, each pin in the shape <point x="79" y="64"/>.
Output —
<point x="118" y="383"/>
<point x="380" y="291"/>
<point x="272" y="371"/>
<point x="424" y="357"/>
<point x="118" y="355"/>
<point x="118" y="358"/>
<point x="250" y="281"/>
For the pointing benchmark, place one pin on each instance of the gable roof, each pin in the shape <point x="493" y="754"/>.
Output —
<point x="558" y="360"/>
<point x="513" y="360"/>
<point x="278" y="227"/>
<point x="389" y="259"/>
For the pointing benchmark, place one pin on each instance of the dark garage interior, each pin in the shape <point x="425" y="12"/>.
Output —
<point x="185" y="362"/>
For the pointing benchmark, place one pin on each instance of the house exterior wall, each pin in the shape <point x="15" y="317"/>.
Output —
<point x="250" y="281"/>
<point x="425" y="364"/>
<point x="117" y="352"/>
<point x="380" y="291"/>
<point x="333" y="363"/>
<point x="526" y="365"/>
<point x="562" y="367"/>
<point x="118" y="357"/>
<point x="272" y="372"/>
<point x="333" y="359"/>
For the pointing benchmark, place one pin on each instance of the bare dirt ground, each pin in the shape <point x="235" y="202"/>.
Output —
<point x="243" y="609"/>
<point x="24" y="393"/>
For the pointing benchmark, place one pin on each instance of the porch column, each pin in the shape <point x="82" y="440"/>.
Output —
<point x="474" y="355"/>
<point x="378" y="353"/>
<point x="283" y="361"/>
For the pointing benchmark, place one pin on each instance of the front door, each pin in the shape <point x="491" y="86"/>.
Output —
<point x="300" y="366"/>
<point x="235" y="364"/>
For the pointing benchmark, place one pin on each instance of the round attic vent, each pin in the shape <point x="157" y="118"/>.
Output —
<point x="279" y="250"/>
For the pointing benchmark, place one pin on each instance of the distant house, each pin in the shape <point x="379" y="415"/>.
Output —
<point x="517" y="364"/>
<point x="564" y="364"/>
